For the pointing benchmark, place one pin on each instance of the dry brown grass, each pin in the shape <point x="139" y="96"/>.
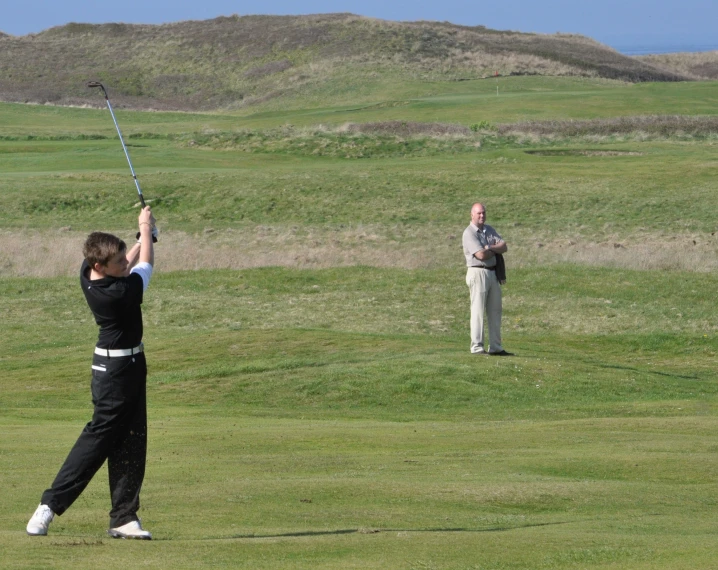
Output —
<point x="657" y="125"/>
<point x="268" y="68"/>
<point x="486" y="64"/>
<point x="583" y="152"/>
<point x="699" y="252"/>
<point x="57" y="252"/>
<point x="32" y="253"/>
<point x="407" y="128"/>
<point x="702" y="65"/>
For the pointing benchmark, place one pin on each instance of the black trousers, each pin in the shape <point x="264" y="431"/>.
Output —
<point x="117" y="433"/>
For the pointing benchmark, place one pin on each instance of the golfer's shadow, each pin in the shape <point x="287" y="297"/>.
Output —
<point x="312" y="533"/>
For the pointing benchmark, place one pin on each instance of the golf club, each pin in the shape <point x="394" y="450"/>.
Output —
<point x="93" y="84"/>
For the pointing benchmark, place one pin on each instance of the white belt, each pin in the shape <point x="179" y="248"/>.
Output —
<point x="115" y="352"/>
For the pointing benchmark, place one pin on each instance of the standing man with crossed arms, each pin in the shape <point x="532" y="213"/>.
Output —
<point x="481" y="245"/>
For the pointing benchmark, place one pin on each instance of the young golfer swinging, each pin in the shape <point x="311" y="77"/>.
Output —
<point x="113" y="281"/>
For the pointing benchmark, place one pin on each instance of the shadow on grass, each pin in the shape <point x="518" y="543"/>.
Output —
<point x="599" y="364"/>
<point x="644" y="371"/>
<point x="312" y="533"/>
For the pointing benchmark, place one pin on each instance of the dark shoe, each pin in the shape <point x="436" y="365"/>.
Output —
<point x="502" y="353"/>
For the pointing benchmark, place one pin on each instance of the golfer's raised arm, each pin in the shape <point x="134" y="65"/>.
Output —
<point x="146" y="222"/>
<point x="133" y="256"/>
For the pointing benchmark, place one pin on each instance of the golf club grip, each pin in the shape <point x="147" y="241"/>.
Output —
<point x="154" y="237"/>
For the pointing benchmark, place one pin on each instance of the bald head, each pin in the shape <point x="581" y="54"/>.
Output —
<point x="478" y="214"/>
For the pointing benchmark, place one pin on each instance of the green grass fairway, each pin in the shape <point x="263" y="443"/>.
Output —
<point x="236" y="492"/>
<point x="653" y="185"/>
<point x="340" y="433"/>
<point x="312" y="400"/>
<point x="464" y="102"/>
<point x="519" y="98"/>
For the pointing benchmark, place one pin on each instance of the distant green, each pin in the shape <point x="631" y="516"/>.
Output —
<point x="464" y="102"/>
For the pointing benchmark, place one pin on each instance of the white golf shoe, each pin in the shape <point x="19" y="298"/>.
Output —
<point x="40" y="521"/>
<point x="132" y="529"/>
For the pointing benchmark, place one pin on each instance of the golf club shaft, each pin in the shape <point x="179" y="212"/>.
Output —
<point x="127" y="154"/>
<point x="93" y="84"/>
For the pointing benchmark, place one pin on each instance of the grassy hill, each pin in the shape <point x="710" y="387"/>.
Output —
<point x="234" y="62"/>
<point x="702" y="65"/>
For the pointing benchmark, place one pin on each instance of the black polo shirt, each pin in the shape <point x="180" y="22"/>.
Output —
<point x="116" y="304"/>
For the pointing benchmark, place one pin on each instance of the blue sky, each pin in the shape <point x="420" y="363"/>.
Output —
<point x="618" y="23"/>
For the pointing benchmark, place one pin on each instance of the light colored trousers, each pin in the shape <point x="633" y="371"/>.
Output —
<point x="485" y="291"/>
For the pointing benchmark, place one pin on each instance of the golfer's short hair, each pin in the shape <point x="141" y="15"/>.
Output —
<point x="101" y="248"/>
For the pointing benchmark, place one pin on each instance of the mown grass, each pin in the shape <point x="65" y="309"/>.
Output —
<point x="573" y="196"/>
<point x="319" y="494"/>
<point x="365" y="494"/>
<point x="391" y="344"/>
<point x="519" y="98"/>
<point x="466" y="103"/>
<point x="323" y="419"/>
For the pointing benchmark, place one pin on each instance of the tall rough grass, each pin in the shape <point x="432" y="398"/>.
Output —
<point x="412" y="138"/>
<point x="407" y="128"/>
<point x="352" y="140"/>
<point x="702" y="65"/>
<point x="660" y="125"/>
<point x="55" y="253"/>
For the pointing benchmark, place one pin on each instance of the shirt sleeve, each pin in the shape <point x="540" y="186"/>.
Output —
<point x="471" y="243"/>
<point x="144" y="270"/>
